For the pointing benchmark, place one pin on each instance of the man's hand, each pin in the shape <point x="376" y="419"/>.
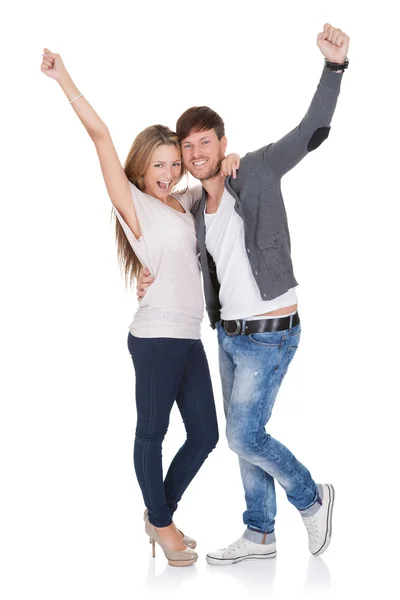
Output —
<point x="333" y="43"/>
<point x="143" y="282"/>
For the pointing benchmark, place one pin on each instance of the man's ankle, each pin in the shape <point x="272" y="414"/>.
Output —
<point x="259" y="537"/>
<point x="311" y="510"/>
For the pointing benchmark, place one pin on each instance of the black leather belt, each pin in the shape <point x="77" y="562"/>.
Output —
<point x="260" y="326"/>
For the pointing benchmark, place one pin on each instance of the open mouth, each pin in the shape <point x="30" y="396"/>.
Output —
<point x="164" y="185"/>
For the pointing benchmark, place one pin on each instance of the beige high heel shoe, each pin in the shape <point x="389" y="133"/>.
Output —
<point x="176" y="558"/>
<point x="188" y="541"/>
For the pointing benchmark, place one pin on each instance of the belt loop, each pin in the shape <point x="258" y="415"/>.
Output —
<point x="243" y="327"/>
<point x="291" y="322"/>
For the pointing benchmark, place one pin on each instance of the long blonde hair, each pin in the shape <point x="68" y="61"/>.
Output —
<point x="135" y="167"/>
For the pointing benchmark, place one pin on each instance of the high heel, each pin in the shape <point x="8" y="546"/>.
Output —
<point x="188" y="541"/>
<point x="176" y="558"/>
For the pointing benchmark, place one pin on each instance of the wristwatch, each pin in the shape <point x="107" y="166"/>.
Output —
<point x="337" y="66"/>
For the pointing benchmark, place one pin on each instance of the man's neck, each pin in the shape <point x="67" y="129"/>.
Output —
<point x="215" y="189"/>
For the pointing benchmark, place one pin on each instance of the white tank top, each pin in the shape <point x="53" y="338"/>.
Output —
<point x="173" y="305"/>
<point x="239" y="294"/>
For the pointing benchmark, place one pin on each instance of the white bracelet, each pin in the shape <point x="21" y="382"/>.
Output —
<point x="76" y="98"/>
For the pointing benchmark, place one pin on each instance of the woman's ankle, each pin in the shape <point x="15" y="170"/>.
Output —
<point x="164" y="528"/>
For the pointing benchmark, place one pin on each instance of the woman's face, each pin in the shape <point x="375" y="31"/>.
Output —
<point x="163" y="172"/>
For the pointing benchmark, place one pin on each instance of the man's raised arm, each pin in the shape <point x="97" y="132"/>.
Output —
<point x="314" y="128"/>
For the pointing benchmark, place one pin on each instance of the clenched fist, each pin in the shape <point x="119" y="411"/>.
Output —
<point x="52" y="65"/>
<point x="333" y="43"/>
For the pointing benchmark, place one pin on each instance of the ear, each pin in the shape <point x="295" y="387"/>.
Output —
<point x="224" y="143"/>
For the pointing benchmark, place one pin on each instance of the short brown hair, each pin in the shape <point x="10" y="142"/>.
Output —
<point x="199" y="118"/>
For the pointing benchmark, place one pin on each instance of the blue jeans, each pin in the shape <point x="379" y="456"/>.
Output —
<point x="169" y="370"/>
<point x="252" y="368"/>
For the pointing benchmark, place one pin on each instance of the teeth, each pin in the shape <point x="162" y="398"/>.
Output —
<point x="199" y="163"/>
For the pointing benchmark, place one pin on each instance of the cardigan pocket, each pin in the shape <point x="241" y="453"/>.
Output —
<point x="275" y="250"/>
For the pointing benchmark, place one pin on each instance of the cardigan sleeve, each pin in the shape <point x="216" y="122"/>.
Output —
<point x="314" y="128"/>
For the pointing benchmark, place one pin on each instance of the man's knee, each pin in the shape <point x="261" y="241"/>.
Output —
<point x="246" y="444"/>
<point x="238" y="441"/>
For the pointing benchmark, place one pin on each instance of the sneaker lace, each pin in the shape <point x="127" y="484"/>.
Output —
<point x="235" y="546"/>
<point x="312" y="528"/>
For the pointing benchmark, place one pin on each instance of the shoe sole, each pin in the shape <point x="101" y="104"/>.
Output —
<point x="328" y="535"/>
<point x="181" y="563"/>
<point x="231" y="561"/>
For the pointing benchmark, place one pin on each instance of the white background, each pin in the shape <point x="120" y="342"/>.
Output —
<point x="71" y="510"/>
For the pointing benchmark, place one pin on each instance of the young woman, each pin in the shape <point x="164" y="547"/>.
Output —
<point x="155" y="228"/>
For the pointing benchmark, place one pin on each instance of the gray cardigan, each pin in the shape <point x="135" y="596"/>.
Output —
<point x="259" y="202"/>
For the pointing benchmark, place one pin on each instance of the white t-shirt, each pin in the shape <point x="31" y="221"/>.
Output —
<point x="239" y="294"/>
<point x="173" y="305"/>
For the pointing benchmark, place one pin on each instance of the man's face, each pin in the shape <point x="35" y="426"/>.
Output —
<point x="202" y="153"/>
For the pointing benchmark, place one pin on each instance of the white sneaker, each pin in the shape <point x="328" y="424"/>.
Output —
<point x="319" y="525"/>
<point x="242" y="549"/>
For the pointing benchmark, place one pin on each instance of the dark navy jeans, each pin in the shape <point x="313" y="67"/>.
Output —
<point x="169" y="370"/>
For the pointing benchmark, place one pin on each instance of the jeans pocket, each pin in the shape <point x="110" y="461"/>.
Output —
<point x="269" y="339"/>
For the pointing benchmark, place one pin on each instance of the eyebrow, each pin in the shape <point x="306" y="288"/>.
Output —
<point x="203" y="137"/>
<point x="163" y="162"/>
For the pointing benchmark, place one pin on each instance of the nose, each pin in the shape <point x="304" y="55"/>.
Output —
<point x="167" y="172"/>
<point x="196" y="152"/>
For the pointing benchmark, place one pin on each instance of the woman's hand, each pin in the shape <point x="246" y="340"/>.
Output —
<point x="333" y="43"/>
<point x="230" y="165"/>
<point x="52" y="65"/>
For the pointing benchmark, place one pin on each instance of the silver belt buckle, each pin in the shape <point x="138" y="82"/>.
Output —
<point x="237" y="330"/>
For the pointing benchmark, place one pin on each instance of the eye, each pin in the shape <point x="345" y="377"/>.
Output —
<point x="186" y="146"/>
<point x="206" y="142"/>
<point x="158" y="165"/>
<point x="177" y="164"/>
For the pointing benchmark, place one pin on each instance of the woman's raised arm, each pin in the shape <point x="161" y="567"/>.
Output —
<point x="115" y="179"/>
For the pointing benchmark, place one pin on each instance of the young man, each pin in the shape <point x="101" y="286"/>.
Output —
<point x="249" y="287"/>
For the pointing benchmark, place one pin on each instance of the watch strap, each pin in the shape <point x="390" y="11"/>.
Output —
<point x="337" y="66"/>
